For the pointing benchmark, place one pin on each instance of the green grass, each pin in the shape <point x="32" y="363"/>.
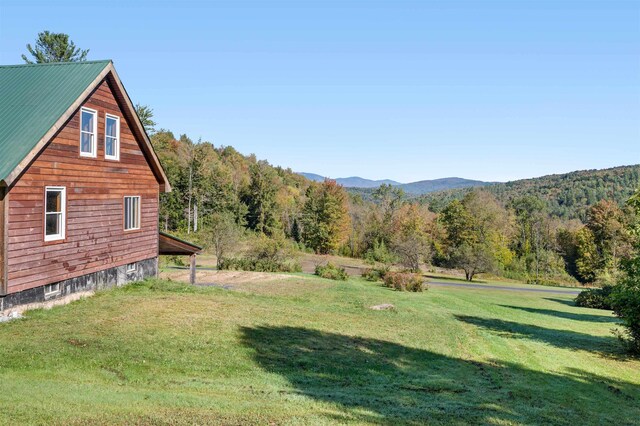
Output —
<point x="309" y="351"/>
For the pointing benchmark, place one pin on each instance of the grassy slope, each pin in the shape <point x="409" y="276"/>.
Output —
<point x="310" y="351"/>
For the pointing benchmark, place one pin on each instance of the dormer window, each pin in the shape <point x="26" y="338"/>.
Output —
<point x="88" y="132"/>
<point x="112" y="137"/>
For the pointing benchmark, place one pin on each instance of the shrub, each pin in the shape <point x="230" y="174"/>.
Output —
<point x="375" y="274"/>
<point x="404" y="281"/>
<point x="331" y="272"/>
<point x="625" y="298"/>
<point x="259" y="265"/>
<point x="379" y="253"/>
<point x="625" y="301"/>
<point x="596" y="298"/>
<point x="265" y="254"/>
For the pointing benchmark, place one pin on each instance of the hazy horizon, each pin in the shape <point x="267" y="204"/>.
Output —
<point x="462" y="177"/>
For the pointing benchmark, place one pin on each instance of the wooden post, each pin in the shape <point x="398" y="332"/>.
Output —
<point x="192" y="269"/>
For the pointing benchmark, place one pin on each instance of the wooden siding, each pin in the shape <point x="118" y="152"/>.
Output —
<point x="4" y="207"/>
<point x="95" y="238"/>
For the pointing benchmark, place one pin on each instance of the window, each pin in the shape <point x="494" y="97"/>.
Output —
<point x="51" y="289"/>
<point x="131" y="267"/>
<point x="54" y="213"/>
<point x="131" y="213"/>
<point x="88" y="130"/>
<point x="112" y="137"/>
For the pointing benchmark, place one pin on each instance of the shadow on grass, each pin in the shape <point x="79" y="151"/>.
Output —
<point x="559" y="338"/>
<point x="376" y="381"/>
<point x="566" y="315"/>
<point x="566" y="302"/>
<point x="436" y="277"/>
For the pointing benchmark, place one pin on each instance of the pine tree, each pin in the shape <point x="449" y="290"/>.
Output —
<point x="54" y="47"/>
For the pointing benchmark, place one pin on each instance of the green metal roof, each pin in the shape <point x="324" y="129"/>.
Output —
<point x="32" y="99"/>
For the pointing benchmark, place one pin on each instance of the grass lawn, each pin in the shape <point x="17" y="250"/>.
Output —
<point x="302" y="350"/>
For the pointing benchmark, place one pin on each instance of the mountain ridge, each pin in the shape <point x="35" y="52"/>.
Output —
<point x="414" y="188"/>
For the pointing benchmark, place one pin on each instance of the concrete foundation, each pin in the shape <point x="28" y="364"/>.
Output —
<point x="107" y="278"/>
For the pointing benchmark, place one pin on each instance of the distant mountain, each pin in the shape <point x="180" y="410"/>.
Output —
<point x="358" y="182"/>
<point x="312" y="176"/>
<point x="413" y="188"/>
<point x="352" y="182"/>
<point x="427" y="186"/>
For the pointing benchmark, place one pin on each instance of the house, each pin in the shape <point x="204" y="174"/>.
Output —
<point x="79" y="184"/>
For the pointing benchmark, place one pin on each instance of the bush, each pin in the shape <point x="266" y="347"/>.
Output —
<point x="379" y="253"/>
<point x="331" y="272"/>
<point x="259" y="265"/>
<point x="625" y="301"/>
<point x="625" y="298"/>
<point x="404" y="281"/>
<point x="596" y="298"/>
<point x="375" y="274"/>
<point x="266" y="254"/>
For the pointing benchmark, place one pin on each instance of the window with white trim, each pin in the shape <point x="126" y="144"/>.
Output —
<point x="51" y="289"/>
<point x="112" y="137"/>
<point x="131" y="213"/>
<point x="88" y="132"/>
<point x="54" y="221"/>
<point x="131" y="267"/>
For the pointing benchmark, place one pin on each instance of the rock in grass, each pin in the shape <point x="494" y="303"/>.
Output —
<point x="11" y="316"/>
<point x="383" y="307"/>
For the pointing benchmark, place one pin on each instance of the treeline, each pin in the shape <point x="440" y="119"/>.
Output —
<point x="228" y="200"/>
<point x="566" y="196"/>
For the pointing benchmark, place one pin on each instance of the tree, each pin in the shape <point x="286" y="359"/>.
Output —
<point x="325" y="217"/>
<point x="473" y="259"/>
<point x="568" y="249"/>
<point x="458" y="224"/>
<point x="410" y="241"/>
<point x="625" y="298"/>
<point x="145" y="114"/>
<point x="388" y="200"/>
<point x="532" y="242"/>
<point x="261" y="198"/>
<point x="223" y="235"/>
<point x="54" y="47"/>
<point x="587" y="259"/>
<point x="606" y="221"/>
<point x="412" y="249"/>
<point x="478" y="230"/>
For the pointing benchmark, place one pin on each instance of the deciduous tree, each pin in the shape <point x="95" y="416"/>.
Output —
<point x="224" y="234"/>
<point x="325" y="217"/>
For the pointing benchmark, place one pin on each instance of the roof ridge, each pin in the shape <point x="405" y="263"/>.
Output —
<point x="105" y="61"/>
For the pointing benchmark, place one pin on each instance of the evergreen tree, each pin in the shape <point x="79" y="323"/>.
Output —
<point x="145" y="114"/>
<point x="260" y="198"/>
<point x="54" y="47"/>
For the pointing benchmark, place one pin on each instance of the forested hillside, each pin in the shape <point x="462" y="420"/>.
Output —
<point x="210" y="180"/>
<point x="561" y="228"/>
<point x="566" y="196"/>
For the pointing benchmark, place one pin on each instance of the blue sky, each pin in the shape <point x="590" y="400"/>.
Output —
<point x="406" y="90"/>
